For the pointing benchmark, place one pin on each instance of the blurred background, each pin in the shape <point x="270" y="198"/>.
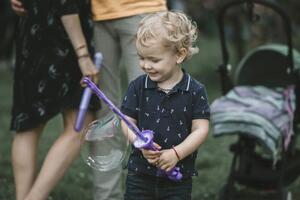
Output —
<point x="214" y="157"/>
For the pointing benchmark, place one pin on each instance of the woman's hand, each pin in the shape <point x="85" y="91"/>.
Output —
<point x="18" y="7"/>
<point x="152" y="156"/>
<point x="167" y="160"/>
<point x="88" y="69"/>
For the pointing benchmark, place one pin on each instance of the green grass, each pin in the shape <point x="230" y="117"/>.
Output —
<point x="213" y="160"/>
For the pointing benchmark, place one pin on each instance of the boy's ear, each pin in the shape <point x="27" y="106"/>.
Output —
<point x="181" y="55"/>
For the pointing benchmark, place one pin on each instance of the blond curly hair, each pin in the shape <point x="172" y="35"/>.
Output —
<point x="173" y="28"/>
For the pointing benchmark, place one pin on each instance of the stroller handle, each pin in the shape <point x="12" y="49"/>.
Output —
<point x="220" y="21"/>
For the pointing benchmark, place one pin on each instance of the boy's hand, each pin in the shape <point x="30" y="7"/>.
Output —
<point x="167" y="160"/>
<point x="152" y="156"/>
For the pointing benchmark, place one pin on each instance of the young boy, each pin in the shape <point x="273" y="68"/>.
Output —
<point x="168" y="101"/>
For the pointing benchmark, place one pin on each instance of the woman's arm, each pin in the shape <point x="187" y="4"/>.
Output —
<point x="71" y="23"/>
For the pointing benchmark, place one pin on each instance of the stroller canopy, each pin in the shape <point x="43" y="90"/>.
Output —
<point x="266" y="65"/>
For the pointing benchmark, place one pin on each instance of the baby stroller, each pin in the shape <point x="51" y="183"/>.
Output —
<point x="269" y="66"/>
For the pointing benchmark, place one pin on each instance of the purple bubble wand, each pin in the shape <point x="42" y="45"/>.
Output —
<point x="144" y="139"/>
<point x="86" y="97"/>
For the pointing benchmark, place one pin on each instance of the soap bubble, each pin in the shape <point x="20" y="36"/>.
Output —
<point x="104" y="146"/>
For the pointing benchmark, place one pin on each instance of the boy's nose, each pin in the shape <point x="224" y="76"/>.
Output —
<point x="147" y="66"/>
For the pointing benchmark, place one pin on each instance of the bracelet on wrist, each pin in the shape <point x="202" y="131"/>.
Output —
<point x="80" y="47"/>
<point x="176" y="153"/>
<point x="83" y="56"/>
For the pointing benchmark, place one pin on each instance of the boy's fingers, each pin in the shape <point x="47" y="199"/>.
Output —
<point x="168" y="169"/>
<point x="157" y="145"/>
<point x="150" y="152"/>
<point x="164" y="166"/>
<point x="153" y="156"/>
<point x="152" y="161"/>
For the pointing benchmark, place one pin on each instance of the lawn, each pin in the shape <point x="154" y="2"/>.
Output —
<point x="213" y="159"/>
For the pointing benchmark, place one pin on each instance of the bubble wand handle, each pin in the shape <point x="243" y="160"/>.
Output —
<point x="86" y="97"/>
<point x="144" y="139"/>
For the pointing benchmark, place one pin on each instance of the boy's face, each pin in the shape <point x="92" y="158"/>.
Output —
<point x="158" y="61"/>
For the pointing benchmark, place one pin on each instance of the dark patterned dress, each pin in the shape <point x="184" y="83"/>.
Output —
<point x="47" y="75"/>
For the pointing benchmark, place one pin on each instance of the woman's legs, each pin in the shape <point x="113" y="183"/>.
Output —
<point x="24" y="156"/>
<point x="59" y="158"/>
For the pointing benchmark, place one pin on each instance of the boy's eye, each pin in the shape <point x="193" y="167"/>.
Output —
<point x="141" y="58"/>
<point x="155" y="60"/>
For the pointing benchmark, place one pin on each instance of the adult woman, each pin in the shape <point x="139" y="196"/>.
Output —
<point x="53" y="53"/>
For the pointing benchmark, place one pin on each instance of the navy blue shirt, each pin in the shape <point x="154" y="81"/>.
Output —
<point x="169" y="115"/>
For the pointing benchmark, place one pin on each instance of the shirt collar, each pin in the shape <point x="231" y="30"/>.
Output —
<point x="183" y="85"/>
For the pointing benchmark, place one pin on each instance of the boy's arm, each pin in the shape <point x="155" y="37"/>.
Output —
<point x="151" y="156"/>
<point x="170" y="157"/>
<point x="127" y="131"/>
<point x="198" y="135"/>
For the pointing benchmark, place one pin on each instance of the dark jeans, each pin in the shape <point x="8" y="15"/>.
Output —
<point x="144" y="187"/>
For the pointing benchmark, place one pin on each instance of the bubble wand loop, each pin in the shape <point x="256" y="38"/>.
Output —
<point x="143" y="140"/>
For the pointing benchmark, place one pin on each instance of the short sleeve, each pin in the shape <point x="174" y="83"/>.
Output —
<point x="130" y="102"/>
<point x="200" y="105"/>
<point x="68" y="7"/>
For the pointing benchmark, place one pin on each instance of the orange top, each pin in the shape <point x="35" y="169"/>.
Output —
<point x="113" y="9"/>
